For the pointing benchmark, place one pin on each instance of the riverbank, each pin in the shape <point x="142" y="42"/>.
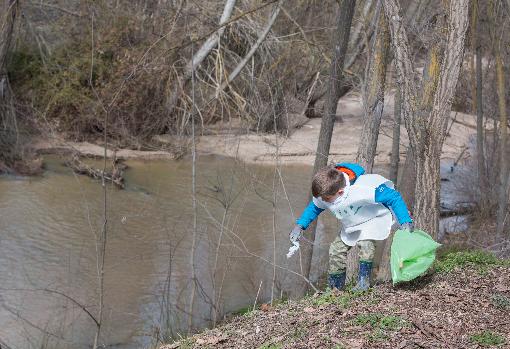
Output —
<point x="463" y="304"/>
<point x="298" y="148"/>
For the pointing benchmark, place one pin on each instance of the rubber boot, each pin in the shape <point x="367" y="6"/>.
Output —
<point x="365" y="269"/>
<point x="336" y="280"/>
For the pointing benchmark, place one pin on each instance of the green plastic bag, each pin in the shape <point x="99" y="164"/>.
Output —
<point x="411" y="254"/>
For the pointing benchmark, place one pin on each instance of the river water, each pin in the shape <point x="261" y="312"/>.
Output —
<point x="48" y="261"/>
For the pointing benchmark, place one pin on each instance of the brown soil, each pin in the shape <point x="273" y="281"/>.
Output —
<point x="439" y="311"/>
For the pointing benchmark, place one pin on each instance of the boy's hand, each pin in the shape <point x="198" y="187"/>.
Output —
<point x="296" y="234"/>
<point x="407" y="226"/>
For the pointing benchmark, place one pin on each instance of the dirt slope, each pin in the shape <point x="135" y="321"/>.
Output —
<point x="465" y="308"/>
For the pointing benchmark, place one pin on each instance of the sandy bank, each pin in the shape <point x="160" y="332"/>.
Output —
<point x="299" y="148"/>
<point x="301" y="145"/>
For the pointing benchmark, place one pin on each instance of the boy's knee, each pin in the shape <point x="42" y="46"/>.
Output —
<point x="338" y="247"/>
<point x="367" y="250"/>
<point x="337" y="263"/>
<point x="337" y="256"/>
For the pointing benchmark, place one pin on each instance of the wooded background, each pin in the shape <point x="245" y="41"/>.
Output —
<point x="127" y="71"/>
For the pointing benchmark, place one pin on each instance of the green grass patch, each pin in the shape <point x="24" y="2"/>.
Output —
<point x="481" y="260"/>
<point x="367" y="319"/>
<point x="501" y="301"/>
<point x="299" y="332"/>
<point x="487" y="338"/>
<point x="341" y="299"/>
<point x="381" y="325"/>
<point x="246" y="311"/>
<point x="380" y="321"/>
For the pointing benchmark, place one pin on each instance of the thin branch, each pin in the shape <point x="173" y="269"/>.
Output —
<point x="81" y="306"/>
<point x="235" y="19"/>
<point x="254" y="48"/>
<point x="194" y="199"/>
<point x="55" y="7"/>
<point x="244" y="248"/>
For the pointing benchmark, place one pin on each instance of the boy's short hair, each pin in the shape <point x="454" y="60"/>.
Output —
<point x="327" y="181"/>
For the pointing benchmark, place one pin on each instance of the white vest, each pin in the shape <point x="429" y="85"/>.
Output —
<point x="362" y="218"/>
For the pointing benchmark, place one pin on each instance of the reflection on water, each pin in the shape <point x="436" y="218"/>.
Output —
<point x="48" y="249"/>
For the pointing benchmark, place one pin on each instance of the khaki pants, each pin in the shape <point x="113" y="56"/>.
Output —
<point x="338" y="254"/>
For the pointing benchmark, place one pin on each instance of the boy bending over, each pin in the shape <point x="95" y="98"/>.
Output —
<point x="364" y="204"/>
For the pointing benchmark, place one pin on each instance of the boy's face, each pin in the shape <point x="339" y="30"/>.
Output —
<point x="332" y="198"/>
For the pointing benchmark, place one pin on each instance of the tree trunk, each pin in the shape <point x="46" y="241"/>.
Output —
<point x="503" y="119"/>
<point x="427" y="129"/>
<point x="335" y="84"/>
<point x="358" y="40"/>
<point x="503" y="161"/>
<point x="384" y="272"/>
<point x="407" y="179"/>
<point x="9" y="140"/>
<point x="373" y="96"/>
<point x="473" y="40"/>
<point x="395" y="145"/>
<point x="373" y="100"/>
<point x="482" y="174"/>
<point x="363" y="21"/>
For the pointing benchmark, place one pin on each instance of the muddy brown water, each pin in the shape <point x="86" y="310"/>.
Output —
<point x="48" y="264"/>
<point x="48" y="258"/>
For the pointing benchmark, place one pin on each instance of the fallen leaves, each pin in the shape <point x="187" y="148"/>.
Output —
<point x="443" y="312"/>
<point x="265" y="307"/>
<point x="211" y="340"/>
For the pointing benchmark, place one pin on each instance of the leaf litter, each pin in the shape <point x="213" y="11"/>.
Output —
<point x="444" y="310"/>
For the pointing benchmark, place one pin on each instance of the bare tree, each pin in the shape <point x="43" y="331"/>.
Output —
<point x="503" y="120"/>
<point x="254" y="48"/>
<point x="427" y="127"/>
<point x="335" y="83"/>
<point x="373" y="95"/>
<point x="367" y="22"/>
<point x="194" y="203"/>
<point x="478" y="100"/>
<point x="384" y="272"/>
<point x="102" y="238"/>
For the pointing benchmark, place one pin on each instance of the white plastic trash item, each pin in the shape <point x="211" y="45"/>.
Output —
<point x="293" y="248"/>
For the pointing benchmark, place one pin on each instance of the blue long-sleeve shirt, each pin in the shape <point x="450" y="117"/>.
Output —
<point x="385" y="195"/>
